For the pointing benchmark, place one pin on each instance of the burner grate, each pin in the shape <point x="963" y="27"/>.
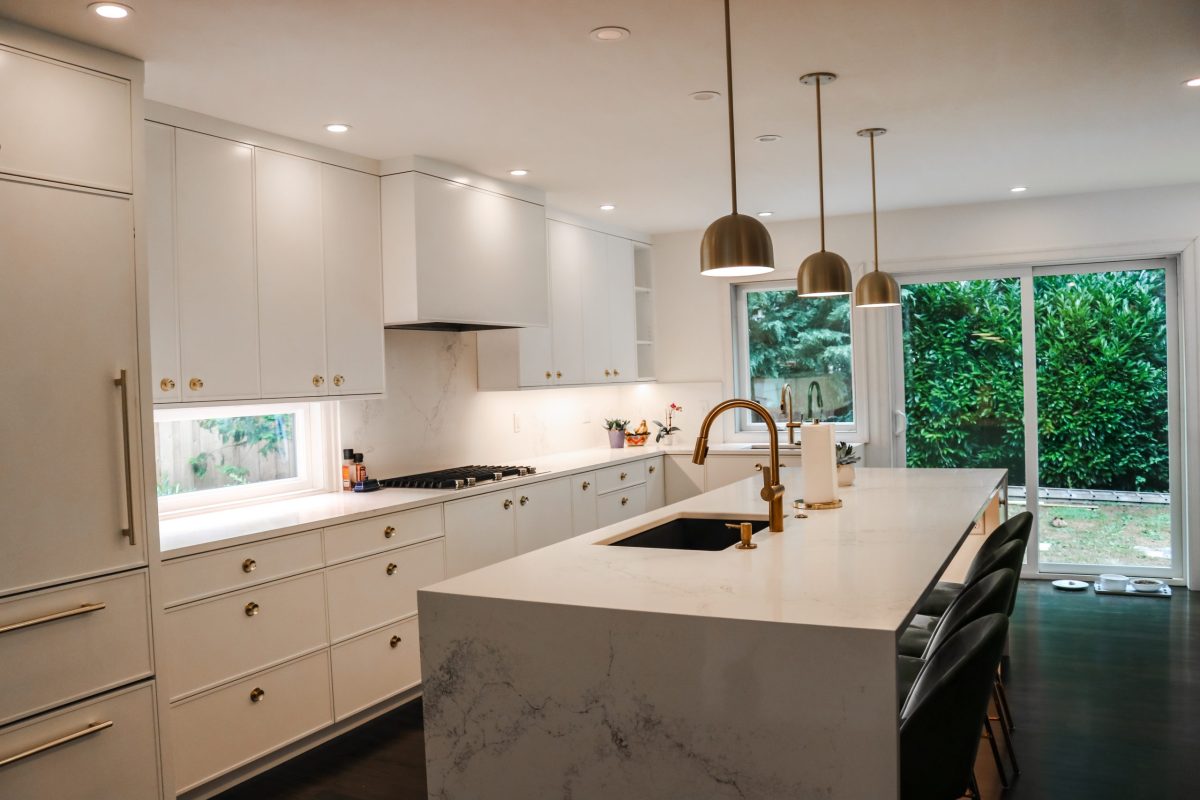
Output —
<point x="456" y="478"/>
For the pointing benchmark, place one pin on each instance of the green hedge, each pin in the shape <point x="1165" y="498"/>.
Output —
<point x="1102" y="378"/>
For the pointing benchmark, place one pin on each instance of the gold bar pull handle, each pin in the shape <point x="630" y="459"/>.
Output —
<point x="91" y="729"/>
<point x="72" y="612"/>
<point x="123" y="383"/>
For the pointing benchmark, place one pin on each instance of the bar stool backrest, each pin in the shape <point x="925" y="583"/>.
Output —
<point x="991" y="594"/>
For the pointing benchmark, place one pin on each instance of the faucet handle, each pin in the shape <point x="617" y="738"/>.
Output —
<point x="747" y="530"/>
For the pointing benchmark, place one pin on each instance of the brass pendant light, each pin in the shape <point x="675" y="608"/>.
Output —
<point x="824" y="273"/>
<point x="876" y="289"/>
<point x="735" y="244"/>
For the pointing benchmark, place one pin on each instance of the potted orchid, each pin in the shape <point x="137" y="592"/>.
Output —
<point x="666" y="432"/>
<point x="616" y="431"/>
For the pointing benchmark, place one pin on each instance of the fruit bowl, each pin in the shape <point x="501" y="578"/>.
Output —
<point x="636" y="439"/>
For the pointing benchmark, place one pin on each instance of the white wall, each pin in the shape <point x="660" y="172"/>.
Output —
<point x="693" y="337"/>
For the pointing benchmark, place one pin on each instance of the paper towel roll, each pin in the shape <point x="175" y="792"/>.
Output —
<point x="818" y="462"/>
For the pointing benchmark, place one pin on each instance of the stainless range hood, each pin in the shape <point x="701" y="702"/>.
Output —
<point x="461" y="251"/>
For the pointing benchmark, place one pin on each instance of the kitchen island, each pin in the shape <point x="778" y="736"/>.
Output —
<point x="584" y="670"/>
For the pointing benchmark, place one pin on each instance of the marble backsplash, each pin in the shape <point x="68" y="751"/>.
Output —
<point x="434" y="415"/>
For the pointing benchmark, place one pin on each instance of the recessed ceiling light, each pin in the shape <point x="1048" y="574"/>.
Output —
<point x="518" y="173"/>
<point x="337" y="127"/>
<point x="111" y="10"/>
<point x="607" y="207"/>
<point x="609" y="33"/>
<point x="765" y="213"/>
<point x="1017" y="189"/>
<point x="706" y="94"/>
<point x="1193" y="82"/>
<point x="767" y="138"/>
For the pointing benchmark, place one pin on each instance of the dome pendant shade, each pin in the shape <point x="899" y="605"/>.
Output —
<point x="824" y="274"/>
<point x="736" y="245"/>
<point x="877" y="289"/>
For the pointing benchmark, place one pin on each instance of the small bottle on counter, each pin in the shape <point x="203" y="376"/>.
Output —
<point x="348" y="470"/>
<point x="360" y="469"/>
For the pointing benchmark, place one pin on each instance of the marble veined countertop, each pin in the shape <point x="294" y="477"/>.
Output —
<point x="864" y="566"/>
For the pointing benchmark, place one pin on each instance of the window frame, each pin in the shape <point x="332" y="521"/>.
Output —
<point x="315" y="431"/>
<point x="747" y="427"/>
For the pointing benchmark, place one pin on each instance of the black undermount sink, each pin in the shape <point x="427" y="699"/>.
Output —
<point x="690" y="533"/>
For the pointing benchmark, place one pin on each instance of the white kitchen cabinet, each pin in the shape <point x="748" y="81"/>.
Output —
<point x="621" y="505"/>
<point x="543" y="514"/>
<point x="165" y="382"/>
<point x="64" y="123"/>
<point x="456" y="255"/>
<point x="353" y="282"/>
<point x="480" y="530"/>
<point x="112" y="751"/>
<point x="291" y="275"/>
<point x="656" y="491"/>
<point x="379" y="589"/>
<point x="683" y="479"/>
<point x="722" y="470"/>
<point x="216" y="284"/>
<point x="583" y="503"/>
<point x="622" y="310"/>
<point x="515" y="359"/>
<point x="375" y="666"/>
<point x="570" y="250"/>
<point x="66" y="333"/>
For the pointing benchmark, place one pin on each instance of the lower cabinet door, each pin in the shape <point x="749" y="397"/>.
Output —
<point x="106" y="747"/>
<point x="375" y="666"/>
<point x="656" y="487"/>
<point x="372" y="591"/>
<point x="583" y="503"/>
<point x="620" y="505"/>
<point x="221" y="730"/>
<point x="479" y="531"/>
<point x="543" y="514"/>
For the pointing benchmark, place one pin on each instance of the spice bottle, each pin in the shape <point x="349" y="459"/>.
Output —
<point x="347" y="470"/>
<point x="360" y="469"/>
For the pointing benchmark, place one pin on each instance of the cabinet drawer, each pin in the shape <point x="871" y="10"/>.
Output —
<point x="71" y="642"/>
<point x="373" y="591"/>
<point x="227" y="637"/>
<point x="106" y="747"/>
<point x="610" y="479"/>
<point x="374" y="667"/>
<point x="374" y="535"/>
<point x="224" y="729"/>
<point x="619" y="506"/>
<point x="210" y="574"/>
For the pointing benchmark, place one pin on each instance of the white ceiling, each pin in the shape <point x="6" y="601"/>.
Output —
<point x="979" y="95"/>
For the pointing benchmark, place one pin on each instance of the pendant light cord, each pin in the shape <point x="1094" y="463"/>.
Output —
<point x="874" y="206"/>
<point x="820" y="164"/>
<point x="729" y="92"/>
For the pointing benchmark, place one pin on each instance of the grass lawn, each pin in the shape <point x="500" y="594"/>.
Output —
<point x="1116" y="534"/>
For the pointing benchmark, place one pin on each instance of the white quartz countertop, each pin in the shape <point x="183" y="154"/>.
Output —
<point x="864" y="566"/>
<point x="194" y="533"/>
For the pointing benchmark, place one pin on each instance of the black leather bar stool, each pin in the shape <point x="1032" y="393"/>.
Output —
<point x="1017" y="526"/>
<point x="1007" y="556"/>
<point x="941" y="719"/>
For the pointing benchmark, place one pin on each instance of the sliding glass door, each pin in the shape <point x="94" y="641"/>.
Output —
<point x="1066" y="377"/>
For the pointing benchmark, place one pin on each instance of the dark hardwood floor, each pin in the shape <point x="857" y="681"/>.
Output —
<point x="1105" y="692"/>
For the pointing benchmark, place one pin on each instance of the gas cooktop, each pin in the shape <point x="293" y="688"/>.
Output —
<point x="456" y="478"/>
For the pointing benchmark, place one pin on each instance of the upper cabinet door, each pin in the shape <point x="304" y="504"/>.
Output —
<point x="64" y="123"/>
<point x="594" y="309"/>
<point x="622" y="309"/>
<point x="216" y="284"/>
<point x="536" y="357"/>
<point x="67" y="283"/>
<point x="353" y="281"/>
<point x="567" y="253"/>
<point x="291" y="275"/>
<point x="165" y="381"/>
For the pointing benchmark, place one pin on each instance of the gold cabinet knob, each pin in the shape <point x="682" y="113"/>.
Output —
<point x="524" y="500"/>
<point x="549" y="374"/>
<point x="257" y="695"/>
<point x="650" y="469"/>
<point x="391" y="569"/>
<point x="195" y="384"/>
<point x="585" y="485"/>
<point x="558" y="373"/>
<point x="616" y="372"/>
<point x="507" y="504"/>
<point x="338" y="380"/>
<point x="251" y="609"/>
<point x="166" y="384"/>
<point x="249" y="565"/>
<point x="318" y="380"/>
<point x="607" y="373"/>
<point x="624" y="501"/>
<point x="624" y="475"/>
<point x="394" y="641"/>
<point x="758" y="467"/>
<point x="389" y="532"/>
